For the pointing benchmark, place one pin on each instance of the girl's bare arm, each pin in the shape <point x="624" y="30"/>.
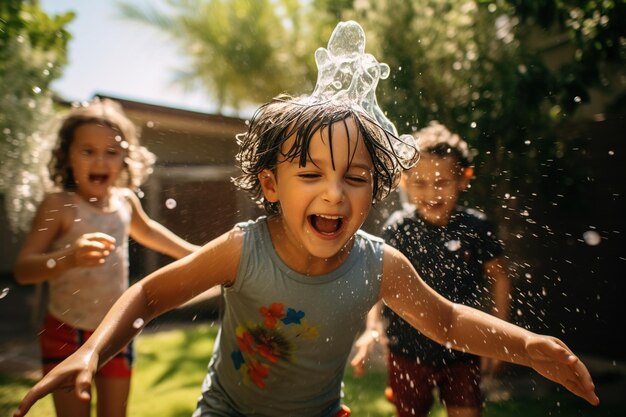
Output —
<point x="154" y="235"/>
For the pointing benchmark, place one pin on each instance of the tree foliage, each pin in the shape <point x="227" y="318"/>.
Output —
<point x="32" y="55"/>
<point x="240" y="51"/>
<point x="475" y="66"/>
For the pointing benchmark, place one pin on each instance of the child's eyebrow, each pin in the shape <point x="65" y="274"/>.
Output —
<point x="363" y="166"/>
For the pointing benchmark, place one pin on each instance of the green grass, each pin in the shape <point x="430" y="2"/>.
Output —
<point x="171" y="365"/>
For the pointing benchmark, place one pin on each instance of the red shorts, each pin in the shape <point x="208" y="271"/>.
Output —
<point x="412" y="385"/>
<point x="59" y="340"/>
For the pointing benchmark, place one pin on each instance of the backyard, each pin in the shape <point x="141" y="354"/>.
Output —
<point x="172" y="363"/>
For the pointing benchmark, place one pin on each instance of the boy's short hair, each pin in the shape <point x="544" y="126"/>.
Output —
<point x="436" y="139"/>
<point x="282" y="118"/>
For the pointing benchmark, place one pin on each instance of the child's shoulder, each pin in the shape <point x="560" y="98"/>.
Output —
<point x="471" y="217"/>
<point x="472" y="213"/>
<point x="60" y="206"/>
<point x="59" y="200"/>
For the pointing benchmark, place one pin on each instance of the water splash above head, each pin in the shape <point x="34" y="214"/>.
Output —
<point x="347" y="73"/>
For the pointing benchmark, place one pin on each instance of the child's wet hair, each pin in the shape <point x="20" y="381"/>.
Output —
<point x="436" y="139"/>
<point x="105" y="112"/>
<point x="284" y="117"/>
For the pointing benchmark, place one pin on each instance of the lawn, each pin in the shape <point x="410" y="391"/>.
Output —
<point x="172" y="363"/>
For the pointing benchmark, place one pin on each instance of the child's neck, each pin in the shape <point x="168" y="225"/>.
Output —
<point x="101" y="202"/>
<point x="297" y="258"/>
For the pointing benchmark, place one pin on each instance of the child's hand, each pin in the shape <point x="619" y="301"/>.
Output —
<point x="553" y="359"/>
<point x="91" y="249"/>
<point x="364" y="345"/>
<point x="74" y="373"/>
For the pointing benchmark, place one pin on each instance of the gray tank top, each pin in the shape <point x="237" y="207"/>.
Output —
<point x="285" y="337"/>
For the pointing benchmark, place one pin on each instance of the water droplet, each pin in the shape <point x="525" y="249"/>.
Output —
<point x="473" y="125"/>
<point x="36" y="90"/>
<point x="592" y="238"/>
<point x="453" y="245"/>
<point x="51" y="263"/>
<point x="577" y="99"/>
<point x="527" y="142"/>
<point x="150" y="124"/>
<point x="170" y="203"/>
<point x="4" y="293"/>
<point x="611" y="153"/>
<point x="138" y="324"/>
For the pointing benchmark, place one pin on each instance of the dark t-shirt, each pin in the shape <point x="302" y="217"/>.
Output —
<point x="450" y="260"/>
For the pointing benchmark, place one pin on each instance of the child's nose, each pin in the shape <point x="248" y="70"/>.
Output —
<point x="334" y="192"/>
<point x="433" y="193"/>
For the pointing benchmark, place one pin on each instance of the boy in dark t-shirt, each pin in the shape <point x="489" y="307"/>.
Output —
<point x="457" y="253"/>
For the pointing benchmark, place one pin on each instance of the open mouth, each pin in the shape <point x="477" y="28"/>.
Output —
<point x="98" y="178"/>
<point x="326" y="224"/>
<point x="434" y="205"/>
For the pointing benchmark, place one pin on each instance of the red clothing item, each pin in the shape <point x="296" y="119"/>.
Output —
<point x="59" y="340"/>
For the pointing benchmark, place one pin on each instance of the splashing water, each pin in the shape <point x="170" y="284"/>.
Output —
<point x="170" y="203"/>
<point x="4" y="293"/>
<point x="592" y="238"/>
<point x="347" y="73"/>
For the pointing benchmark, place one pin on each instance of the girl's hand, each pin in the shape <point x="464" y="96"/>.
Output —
<point x="554" y="360"/>
<point x="91" y="249"/>
<point x="74" y="373"/>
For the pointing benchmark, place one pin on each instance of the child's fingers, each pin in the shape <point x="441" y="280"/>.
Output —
<point x="574" y="376"/>
<point x="582" y="390"/>
<point x="358" y="361"/>
<point x="584" y="382"/>
<point x="83" y="385"/>
<point x="40" y="390"/>
<point x="102" y="238"/>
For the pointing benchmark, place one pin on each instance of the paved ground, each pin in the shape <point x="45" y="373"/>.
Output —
<point x="19" y="351"/>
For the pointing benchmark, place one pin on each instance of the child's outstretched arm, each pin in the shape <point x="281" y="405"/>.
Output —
<point x="215" y="264"/>
<point x="154" y="235"/>
<point x="467" y="329"/>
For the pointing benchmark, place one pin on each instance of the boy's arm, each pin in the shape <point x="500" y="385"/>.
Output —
<point x="154" y="235"/>
<point x="464" y="328"/>
<point x="497" y="272"/>
<point x="215" y="264"/>
<point x="373" y="334"/>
